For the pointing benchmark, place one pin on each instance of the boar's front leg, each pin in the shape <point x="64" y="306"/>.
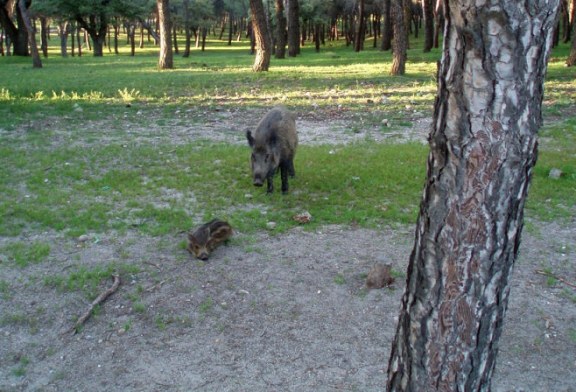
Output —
<point x="284" y="169"/>
<point x="270" y="183"/>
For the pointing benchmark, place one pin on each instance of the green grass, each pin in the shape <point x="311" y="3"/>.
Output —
<point x="20" y="370"/>
<point x="365" y="183"/>
<point x="23" y="254"/>
<point x="88" y="280"/>
<point x="549" y="198"/>
<point x="76" y="159"/>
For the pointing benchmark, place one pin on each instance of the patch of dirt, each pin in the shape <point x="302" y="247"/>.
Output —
<point x="267" y="312"/>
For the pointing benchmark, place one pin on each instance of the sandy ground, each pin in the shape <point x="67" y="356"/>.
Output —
<point x="267" y="312"/>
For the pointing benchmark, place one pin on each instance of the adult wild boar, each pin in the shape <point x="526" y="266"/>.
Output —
<point x="273" y="146"/>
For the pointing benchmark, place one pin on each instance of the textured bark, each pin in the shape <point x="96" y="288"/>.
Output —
<point x="261" y="36"/>
<point x="482" y="152"/>
<point x="400" y="42"/>
<point x="293" y="28"/>
<point x="166" y="58"/>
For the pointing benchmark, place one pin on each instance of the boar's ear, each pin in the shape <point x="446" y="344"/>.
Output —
<point x="250" y="138"/>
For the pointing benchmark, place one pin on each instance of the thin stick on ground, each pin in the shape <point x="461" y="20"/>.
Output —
<point x="550" y="274"/>
<point x="101" y="298"/>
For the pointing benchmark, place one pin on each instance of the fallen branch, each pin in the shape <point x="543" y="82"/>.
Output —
<point x="551" y="275"/>
<point x="101" y="298"/>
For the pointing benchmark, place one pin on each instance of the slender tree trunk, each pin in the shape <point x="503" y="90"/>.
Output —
<point x="204" y="31"/>
<point x="438" y="21"/>
<point x="261" y="36"/>
<point x="230" y="28"/>
<point x="400" y="42"/>
<point x="360" y="31"/>
<point x="428" y="12"/>
<point x="132" y="38"/>
<point x="281" y="24"/>
<point x="36" y="61"/>
<point x="166" y="59"/>
<point x="187" y="34"/>
<point x="293" y="28"/>
<point x="317" y="39"/>
<point x="571" y="61"/>
<point x="64" y="32"/>
<point x="482" y="152"/>
<point x="386" y="26"/>
<point x="1" y="41"/>
<point x="175" y="40"/>
<point x="44" y="31"/>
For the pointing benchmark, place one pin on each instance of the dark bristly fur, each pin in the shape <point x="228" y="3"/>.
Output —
<point x="273" y="146"/>
<point x="203" y="240"/>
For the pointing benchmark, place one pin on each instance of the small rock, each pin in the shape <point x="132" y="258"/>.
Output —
<point x="84" y="238"/>
<point x="271" y="225"/>
<point x="303" y="217"/>
<point x="555" y="174"/>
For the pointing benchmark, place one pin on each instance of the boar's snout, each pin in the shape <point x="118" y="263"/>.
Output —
<point x="203" y="256"/>
<point x="258" y="181"/>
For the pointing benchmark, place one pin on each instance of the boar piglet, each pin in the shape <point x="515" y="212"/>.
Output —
<point x="207" y="237"/>
<point x="273" y="146"/>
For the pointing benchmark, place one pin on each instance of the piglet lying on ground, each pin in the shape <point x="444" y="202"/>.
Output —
<point x="207" y="237"/>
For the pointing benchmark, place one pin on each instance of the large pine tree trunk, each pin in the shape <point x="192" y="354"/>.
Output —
<point x="166" y="58"/>
<point x="261" y="36"/>
<point x="482" y="152"/>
